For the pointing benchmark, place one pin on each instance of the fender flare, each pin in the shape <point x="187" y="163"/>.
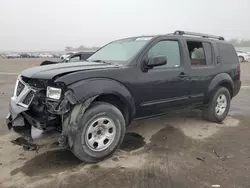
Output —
<point x="218" y="80"/>
<point x="88" y="88"/>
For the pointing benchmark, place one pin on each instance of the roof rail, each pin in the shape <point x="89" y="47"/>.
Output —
<point x="178" y="32"/>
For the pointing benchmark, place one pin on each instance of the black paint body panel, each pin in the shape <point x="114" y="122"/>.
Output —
<point x="153" y="91"/>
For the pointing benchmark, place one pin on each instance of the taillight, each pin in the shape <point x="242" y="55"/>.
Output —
<point x="238" y="71"/>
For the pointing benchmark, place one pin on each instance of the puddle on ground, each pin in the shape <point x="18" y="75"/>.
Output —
<point x="56" y="161"/>
<point x="194" y="126"/>
<point x="132" y="141"/>
<point x="48" y="163"/>
<point x="169" y="138"/>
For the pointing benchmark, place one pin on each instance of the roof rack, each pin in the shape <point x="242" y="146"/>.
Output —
<point x="198" y="34"/>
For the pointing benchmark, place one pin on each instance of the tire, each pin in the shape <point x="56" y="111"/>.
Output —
<point x="87" y="150"/>
<point x="214" y="111"/>
<point x="241" y="59"/>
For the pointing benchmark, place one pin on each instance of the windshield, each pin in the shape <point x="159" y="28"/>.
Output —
<point x="121" y="50"/>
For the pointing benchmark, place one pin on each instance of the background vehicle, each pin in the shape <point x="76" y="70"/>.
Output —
<point x="45" y="55"/>
<point x="93" y="102"/>
<point x="12" y="56"/>
<point x="67" y="55"/>
<point x="79" y="56"/>
<point x="76" y="57"/>
<point x="25" y="55"/>
<point x="56" y="55"/>
<point x="243" y="56"/>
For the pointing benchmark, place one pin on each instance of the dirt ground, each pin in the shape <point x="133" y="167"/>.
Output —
<point x="174" y="151"/>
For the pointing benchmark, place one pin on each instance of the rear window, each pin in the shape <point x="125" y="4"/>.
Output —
<point x="227" y="53"/>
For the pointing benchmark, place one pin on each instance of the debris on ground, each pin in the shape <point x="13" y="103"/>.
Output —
<point x="19" y="141"/>
<point x="216" y="154"/>
<point x="115" y="159"/>
<point x="26" y="145"/>
<point x="30" y="147"/>
<point x="22" y="158"/>
<point x="222" y="158"/>
<point x="215" y="185"/>
<point x="201" y="159"/>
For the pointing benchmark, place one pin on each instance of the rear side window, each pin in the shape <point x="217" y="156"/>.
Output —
<point x="200" y="53"/>
<point x="227" y="53"/>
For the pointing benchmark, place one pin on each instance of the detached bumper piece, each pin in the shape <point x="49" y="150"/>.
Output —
<point x="24" y="130"/>
<point x="15" y="118"/>
<point x="26" y="145"/>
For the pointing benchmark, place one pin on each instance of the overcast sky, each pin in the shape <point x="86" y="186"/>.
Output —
<point x="53" y="24"/>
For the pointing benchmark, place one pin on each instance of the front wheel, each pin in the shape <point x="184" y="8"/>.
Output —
<point x="102" y="130"/>
<point x="218" y="105"/>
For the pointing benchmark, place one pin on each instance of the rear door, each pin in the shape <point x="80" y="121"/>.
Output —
<point x="202" y="68"/>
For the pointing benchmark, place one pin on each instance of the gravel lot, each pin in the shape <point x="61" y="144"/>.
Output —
<point x="174" y="151"/>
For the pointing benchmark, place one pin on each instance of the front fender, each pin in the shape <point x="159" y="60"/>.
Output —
<point x="88" y="88"/>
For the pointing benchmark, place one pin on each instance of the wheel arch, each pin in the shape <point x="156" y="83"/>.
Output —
<point x="223" y="80"/>
<point x="117" y="101"/>
<point x="106" y="90"/>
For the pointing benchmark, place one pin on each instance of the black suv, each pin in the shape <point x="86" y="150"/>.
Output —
<point x="91" y="103"/>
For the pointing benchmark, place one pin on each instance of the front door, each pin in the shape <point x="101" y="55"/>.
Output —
<point x="165" y="87"/>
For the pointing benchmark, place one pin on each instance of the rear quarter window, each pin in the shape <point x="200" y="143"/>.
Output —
<point x="227" y="53"/>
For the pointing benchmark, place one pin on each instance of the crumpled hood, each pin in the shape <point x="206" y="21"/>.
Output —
<point x="50" y="71"/>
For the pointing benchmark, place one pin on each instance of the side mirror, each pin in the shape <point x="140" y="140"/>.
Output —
<point x="156" y="61"/>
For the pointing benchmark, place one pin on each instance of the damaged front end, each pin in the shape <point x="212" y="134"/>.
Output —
<point x="38" y="103"/>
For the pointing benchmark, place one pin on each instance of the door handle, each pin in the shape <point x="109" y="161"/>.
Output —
<point x="182" y="75"/>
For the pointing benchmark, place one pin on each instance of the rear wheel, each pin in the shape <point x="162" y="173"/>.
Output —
<point x="241" y="59"/>
<point x="102" y="130"/>
<point x="218" y="105"/>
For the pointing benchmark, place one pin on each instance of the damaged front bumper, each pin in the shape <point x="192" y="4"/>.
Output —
<point x="19" y="102"/>
<point x="16" y="121"/>
<point x="9" y="121"/>
<point x="14" y="118"/>
<point x="29" y="107"/>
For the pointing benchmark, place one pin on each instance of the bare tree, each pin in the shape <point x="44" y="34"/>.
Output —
<point x="240" y="43"/>
<point x="68" y="48"/>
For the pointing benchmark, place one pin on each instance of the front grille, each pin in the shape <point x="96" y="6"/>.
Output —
<point x="24" y="93"/>
<point x="19" y="89"/>
<point x="27" y="100"/>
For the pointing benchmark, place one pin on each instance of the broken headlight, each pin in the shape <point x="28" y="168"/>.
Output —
<point x="53" y="93"/>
